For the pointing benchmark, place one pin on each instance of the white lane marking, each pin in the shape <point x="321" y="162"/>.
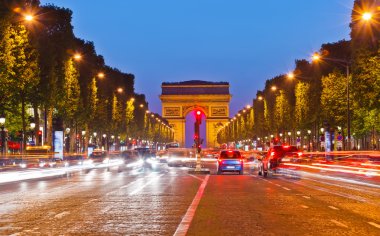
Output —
<point x="146" y="184"/>
<point x="278" y="185"/>
<point x="196" y="177"/>
<point x="286" y="188"/>
<point x="270" y="181"/>
<point x="307" y="197"/>
<point x="339" y="223"/>
<point x="374" y="224"/>
<point x="303" y="206"/>
<point x="334" y="208"/>
<point x="183" y="227"/>
<point x="62" y="214"/>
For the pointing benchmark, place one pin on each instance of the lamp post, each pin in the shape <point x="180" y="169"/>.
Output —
<point x="95" y="139"/>
<point x="308" y="135"/>
<point x="298" y="140"/>
<point x="83" y="140"/>
<point x="2" y="123"/>
<point x="290" y="138"/>
<point x="345" y="63"/>
<point x="105" y="141"/>
<point x="32" y="127"/>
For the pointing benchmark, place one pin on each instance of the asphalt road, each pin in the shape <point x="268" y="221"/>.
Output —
<point x="138" y="201"/>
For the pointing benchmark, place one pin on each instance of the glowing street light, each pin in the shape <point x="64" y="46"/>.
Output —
<point x="273" y="88"/>
<point x="367" y="16"/>
<point x="101" y="75"/>
<point x="28" y="17"/>
<point x="77" y="57"/>
<point x="260" y="98"/>
<point x="290" y="75"/>
<point x="316" y="57"/>
<point x="119" y="90"/>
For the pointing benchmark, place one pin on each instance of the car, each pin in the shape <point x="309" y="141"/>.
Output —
<point x="230" y="161"/>
<point x="99" y="156"/>
<point x="178" y="157"/>
<point x="275" y="156"/>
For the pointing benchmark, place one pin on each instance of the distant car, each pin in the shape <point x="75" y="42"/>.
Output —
<point x="275" y="156"/>
<point x="99" y="156"/>
<point x="130" y="156"/>
<point x="230" y="161"/>
<point x="178" y="157"/>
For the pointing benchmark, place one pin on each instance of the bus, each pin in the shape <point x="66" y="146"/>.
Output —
<point x="172" y="145"/>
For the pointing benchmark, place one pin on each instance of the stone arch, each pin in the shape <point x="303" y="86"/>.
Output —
<point x="180" y="98"/>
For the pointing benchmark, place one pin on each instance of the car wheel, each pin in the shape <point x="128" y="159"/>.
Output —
<point x="259" y="171"/>
<point x="265" y="173"/>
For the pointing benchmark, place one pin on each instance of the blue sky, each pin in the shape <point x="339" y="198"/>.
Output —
<point x="243" y="42"/>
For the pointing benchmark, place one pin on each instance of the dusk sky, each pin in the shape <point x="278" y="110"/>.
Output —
<point x="243" y="42"/>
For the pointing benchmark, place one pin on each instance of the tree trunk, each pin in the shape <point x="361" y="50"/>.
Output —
<point x="23" y="123"/>
<point x="49" y="127"/>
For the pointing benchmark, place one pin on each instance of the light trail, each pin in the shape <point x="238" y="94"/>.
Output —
<point x="346" y="167"/>
<point x="333" y="170"/>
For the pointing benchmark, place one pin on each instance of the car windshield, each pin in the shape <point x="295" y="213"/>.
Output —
<point x="230" y="155"/>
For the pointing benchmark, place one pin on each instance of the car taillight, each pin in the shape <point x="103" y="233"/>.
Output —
<point x="299" y="154"/>
<point x="220" y="161"/>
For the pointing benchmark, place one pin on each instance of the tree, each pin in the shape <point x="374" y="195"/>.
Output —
<point x="334" y="99"/>
<point x="282" y="113"/>
<point x="19" y="70"/>
<point x="303" y="104"/>
<point x="54" y="38"/>
<point x="68" y="107"/>
<point x="129" y="117"/>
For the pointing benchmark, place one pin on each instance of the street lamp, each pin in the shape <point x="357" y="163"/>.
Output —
<point x="77" y="57"/>
<point x="2" y="123"/>
<point x="101" y="75"/>
<point x="367" y="16"/>
<point x="29" y="17"/>
<point x="316" y="57"/>
<point x="32" y="127"/>
<point x="95" y="139"/>
<point x="309" y="134"/>
<point x="83" y="139"/>
<point x="290" y="137"/>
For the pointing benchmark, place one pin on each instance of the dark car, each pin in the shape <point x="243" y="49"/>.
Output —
<point x="275" y="156"/>
<point x="99" y="156"/>
<point x="230" y="161"/>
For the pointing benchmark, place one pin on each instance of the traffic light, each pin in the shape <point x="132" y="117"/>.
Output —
<point x="198" y="116"/>
<point x="39" y="136"/>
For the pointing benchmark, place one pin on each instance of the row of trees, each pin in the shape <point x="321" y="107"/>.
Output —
<point x="315" y="95"/>
<point x="44" y="67"/>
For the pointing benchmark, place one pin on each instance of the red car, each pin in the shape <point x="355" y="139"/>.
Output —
<point x="275" y="156"/>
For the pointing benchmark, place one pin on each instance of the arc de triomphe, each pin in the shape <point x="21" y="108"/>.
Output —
<point x="180" y="98"/>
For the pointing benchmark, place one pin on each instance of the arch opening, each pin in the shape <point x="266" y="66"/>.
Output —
<point x="189" y="130"/>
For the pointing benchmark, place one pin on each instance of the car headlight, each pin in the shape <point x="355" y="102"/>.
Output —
<point x="42" y="164"/>
<point x="22" y="165"/>
<point x="87" y="162"/>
